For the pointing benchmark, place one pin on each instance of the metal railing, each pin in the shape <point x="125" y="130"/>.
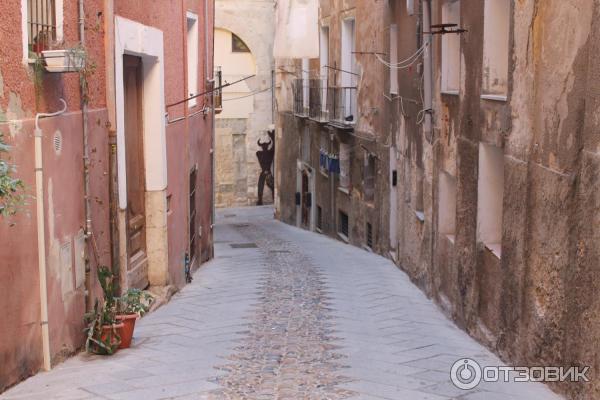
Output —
<point x="318" y="100"/>
<point x="300" y="87"/>
<point x="342" y="105"/>
<point x="315" y="99"/>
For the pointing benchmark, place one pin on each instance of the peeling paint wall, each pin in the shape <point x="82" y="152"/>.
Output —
<point x="22" y="95"/>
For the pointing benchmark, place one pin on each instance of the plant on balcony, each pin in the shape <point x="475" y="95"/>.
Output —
<point x="102" y="326"/>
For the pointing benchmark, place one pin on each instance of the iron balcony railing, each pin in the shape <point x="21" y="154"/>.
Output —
<point x="342" y="105"/>
<point x="315" y="99"/>
<point x="318" y="100"/>
<point x="300" y="90"/>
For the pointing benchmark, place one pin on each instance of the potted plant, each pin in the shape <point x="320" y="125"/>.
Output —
<point x="102" y="326"/>
<point x="132" y="305"/>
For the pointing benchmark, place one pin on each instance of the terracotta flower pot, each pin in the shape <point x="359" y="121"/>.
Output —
<point x="126" y="331"/>
<point x="108" y="333"/>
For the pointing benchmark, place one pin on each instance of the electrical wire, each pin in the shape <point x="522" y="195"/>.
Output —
<point x="403" y="64"/>
<point x="248" y="95"/>
<point x="208" y="91"/>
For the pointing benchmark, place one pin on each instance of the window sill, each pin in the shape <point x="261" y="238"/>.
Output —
<point x="420" y="216"/>
<point x="344" y="190"/>
<point x="343" y="237"/>
<point x="495" y="249"/>
<point x="451" y="92"/>
<point x="494" y="97"/>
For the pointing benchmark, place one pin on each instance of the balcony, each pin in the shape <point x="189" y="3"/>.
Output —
<point x="315" y="99"/>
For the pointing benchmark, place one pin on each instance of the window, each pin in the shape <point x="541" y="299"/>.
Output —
<point x="42" y="25"/>
<point x="369" y="235"/>
<point x="324" y="63"/>
<point x="419" y="201"/>
<point x="495" y="49"/>
<point x="192" y="56"/>
<point x="490" y="193"/>
<point x="344" y="166"/>
<point x="447" y="205"/>
<point x="369" y="177"/>
<point x="343" y="224"/>
<point x="393" y="58"/>
<point x="451" y="48"/>
<point x="305" y="84"/>
<point x="193" y="231"/>
<point x="238" y="45"/>
<point x="348" y="72"/>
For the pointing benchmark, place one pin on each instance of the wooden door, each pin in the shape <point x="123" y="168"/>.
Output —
<point x="137" y="266"/>
<point x="305" y="200"/>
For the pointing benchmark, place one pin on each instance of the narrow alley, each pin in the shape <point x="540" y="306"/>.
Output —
<point x="284" y="313"/>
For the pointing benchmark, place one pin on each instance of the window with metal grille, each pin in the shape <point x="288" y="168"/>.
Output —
<point x="41" y="24"/>
<point x="319" y="218"/>
<point x="343" y="223"/>
<point x="193" y="230"/>
<point x="369" y="177"/>
<point x="369" y="235"/>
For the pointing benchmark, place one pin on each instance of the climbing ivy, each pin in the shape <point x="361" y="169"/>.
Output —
<point x="11" y="196"/>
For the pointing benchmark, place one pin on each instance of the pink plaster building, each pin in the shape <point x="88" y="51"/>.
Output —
<point x="123" y="175"/>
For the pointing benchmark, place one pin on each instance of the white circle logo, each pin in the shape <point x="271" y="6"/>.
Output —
<point x="465" y="374"/>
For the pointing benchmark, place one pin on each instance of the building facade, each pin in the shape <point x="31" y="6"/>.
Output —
<point x="119" y="175"/>
<point x="471" y="159"/>
<point x="244" y="47"/>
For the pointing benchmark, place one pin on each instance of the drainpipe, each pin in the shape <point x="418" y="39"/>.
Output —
<point x="109" y="56"/>
<point x="86" y="167"/>
<point x="427" y="68"/>
<point x="41" y="233"/>
<point x="212" y="110"/>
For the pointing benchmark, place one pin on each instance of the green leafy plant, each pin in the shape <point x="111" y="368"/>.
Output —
<point x="102" y="334"/>
<point x="135" y="301"/>
<point x="11" y="196"/>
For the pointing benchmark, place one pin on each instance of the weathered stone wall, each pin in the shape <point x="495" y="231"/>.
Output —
<point x="535" y="300"/>
<point x="532" y="304"/>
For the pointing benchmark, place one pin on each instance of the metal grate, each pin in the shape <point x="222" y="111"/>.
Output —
<point x="343" y="223"/>
<point x="243" y="245"/>
<point x="369" y="235"/>
<point x="41" y="24"/>
<point x="57" y="141"/>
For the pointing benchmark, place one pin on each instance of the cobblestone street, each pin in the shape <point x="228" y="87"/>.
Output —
<point x="283" y="313"/>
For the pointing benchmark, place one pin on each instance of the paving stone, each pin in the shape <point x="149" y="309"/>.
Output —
<point x="299" y="316"/>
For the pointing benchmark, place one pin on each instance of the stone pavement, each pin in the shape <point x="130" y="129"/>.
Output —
<point x="283" y="313"/>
